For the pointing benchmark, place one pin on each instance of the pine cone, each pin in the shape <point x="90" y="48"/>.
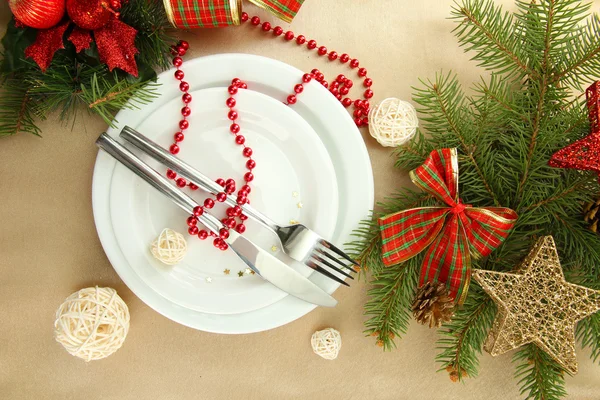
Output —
<point x="432" y="305"/>
<point x="591" y="214"/>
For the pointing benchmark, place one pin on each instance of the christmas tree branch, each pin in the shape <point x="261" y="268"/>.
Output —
<point x="540" y="377"/>
<point x="16" y="109"/>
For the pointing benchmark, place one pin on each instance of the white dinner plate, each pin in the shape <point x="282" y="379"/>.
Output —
<point x="315" y="105"/>
<point x="292" y="168"/>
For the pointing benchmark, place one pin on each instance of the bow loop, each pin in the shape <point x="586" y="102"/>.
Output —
<point x="453" y="235"/>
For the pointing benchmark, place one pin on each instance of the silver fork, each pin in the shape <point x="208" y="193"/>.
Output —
<point x="297" y="241"/>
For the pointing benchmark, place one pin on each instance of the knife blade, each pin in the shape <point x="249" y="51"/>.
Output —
<point x="266" y="265"/>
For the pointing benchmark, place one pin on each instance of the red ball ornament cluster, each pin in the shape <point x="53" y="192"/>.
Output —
<point x="340" y="87"/>
<point x="235" y="218"/>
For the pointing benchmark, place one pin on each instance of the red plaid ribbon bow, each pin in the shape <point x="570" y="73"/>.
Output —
<point x="452" y="234"/>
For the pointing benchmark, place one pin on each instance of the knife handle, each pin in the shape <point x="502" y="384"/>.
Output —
<point x="156" y="180"/>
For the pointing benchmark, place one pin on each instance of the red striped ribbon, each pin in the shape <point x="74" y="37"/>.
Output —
<point x="220" y="13"/>
<point x="452" y="235"/>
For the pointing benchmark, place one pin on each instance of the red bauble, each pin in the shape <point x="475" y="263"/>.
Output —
<point x="89" y="14"/>
<point x="38" y="14"/>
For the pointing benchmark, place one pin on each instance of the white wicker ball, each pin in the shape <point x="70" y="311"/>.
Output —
<point x="393" y="122"/>
<point x="326" y="343"/>
<point x="92" y="323"/>
<point x="170" y="247"/>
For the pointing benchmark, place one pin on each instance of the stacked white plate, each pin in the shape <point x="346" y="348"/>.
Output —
<point x="312" y="167"/>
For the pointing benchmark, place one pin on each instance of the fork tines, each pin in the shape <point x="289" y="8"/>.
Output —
<point x="327" y="255"/>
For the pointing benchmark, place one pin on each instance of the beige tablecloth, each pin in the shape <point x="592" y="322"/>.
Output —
<point x="49" y="248"/>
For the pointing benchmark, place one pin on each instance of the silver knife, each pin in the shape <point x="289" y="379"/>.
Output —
<point x="268" y="267"/>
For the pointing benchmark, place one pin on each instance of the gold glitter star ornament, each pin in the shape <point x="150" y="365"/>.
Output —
<point x="536" y="305"/>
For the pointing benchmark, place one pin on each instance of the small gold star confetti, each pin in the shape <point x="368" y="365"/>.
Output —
<point x="247" y="271"/>
<point x="241" y="273"/>
<point x="300" y="205"/>
<point x="226" y="272"/>
<point x="295" y="194"/>
<point x="209" y="280"/>
<point x="293" y="222"/>
<point x="273" y="248"/>
<point x="252" y="273"/>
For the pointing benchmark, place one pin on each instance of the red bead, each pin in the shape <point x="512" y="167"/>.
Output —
<point x="241" y="228"/>
<point x="236" y="81"/>
<point x="368" y="93"/>
<point x="241" y="200"/>
<point x="230" y="102"/>
<point x="358" y="103"/>
<point x="344" y="90"/>
<point x="354" y="63"/>
<point x="348" y="83"/>
<point x="364" y="104"/>
<point x="255" y="20"/>
<point x="177" y="61"/>
<point x="250" y="164"/>
<point x="306" y="78"/>
<point x="211" y="233"/>
<point x="347" y="102"/>
<point x="171" y="174"/>
<point x="229" y="212"/>
<point x="223" y="233"/>
<point x="277" y="31"/>
<point x="230" y="223"/>
<point x="368" y="82"/>
<point x="325" y="84"/>
<point x="239" y="139"/>
<point x="243" y="217"/>
<point x="183" y="124"/>
<point x="246" y="188"/>
<point x="236" y="210"/>
<point x="229" y="189"/>
<point x="209" y="203"/>
<point x="233" y="89"/>
<point x="198" y="211"/>
<point x="365" y="121"/>
<point x="174" y="149"/>
<point x="358" y="122"/>
<point x="344" y="58"/>
<point x="221" y="197"/>
<point x="181" y="182"/>
<point x="193" y="230"/>
<point x="184" y="44"/>
<point x="266" y="26"/>
<point x="186" y="111"/>
<point x="332" y="56"/>
<point x="319" y="77"/>
<point x="311" y="44"/>
<point x="184" y="86"/>
<point x="220" y="182"/>
<point x="178" y="137"/>
<point x="334" y="90"/>
<point x="186" y="98"/>
<point x="335" y="84"/>
<point x="298" y="88"/>
<point x="362" y="72"/>
<point x="230" y="181"/>
<point x="322" y="50"/>
<point x="291" y="99"/>
<point x="181" y="51"/>
<point x="193" y="186"/>
<point x="247" y="152"/>
<point x="340" y="78"/>
<point x="224" y="246"/>
<point x="179" y="74"/>
<point x="242" y="193"/>
<point x="202" y="235"/>
<point x="338" y="96"/>
<point x="232" y="115"/>
<point x="358" y="113"/>
<point x="315" y="71"/>
<point x="244" y="16"/>
<point x="192" y="221"/>
<point x="243" y="85"/>
<point x="217" y="242"/>
<point x="289" y="35"/>
<point x="300" y="39"/>
<point x="234" y="128"/>
<point x="249" y="176"/>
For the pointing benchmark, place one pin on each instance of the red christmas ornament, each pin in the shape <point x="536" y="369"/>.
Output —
<point x="584" y="154"/>
<point x="89" y="14"/>
<point x="38" y="14"/>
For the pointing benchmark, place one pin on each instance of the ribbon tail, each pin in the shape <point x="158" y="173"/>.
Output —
<point x="285" y="10"/>
<point x="448" y="260"/>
